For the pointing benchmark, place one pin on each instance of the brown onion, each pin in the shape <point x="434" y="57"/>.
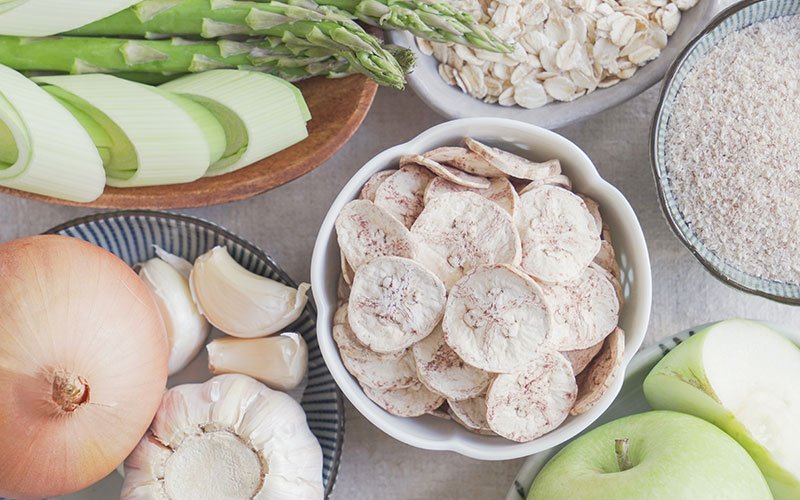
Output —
<point x="83" y="364"/>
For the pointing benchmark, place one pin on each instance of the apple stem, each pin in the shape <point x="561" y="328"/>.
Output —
<point x="621" y="450"/>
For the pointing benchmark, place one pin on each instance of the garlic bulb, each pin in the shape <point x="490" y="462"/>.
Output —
<point x="230" y="437"/>
<point x="241" y="303"/>
<point x="280" y="362"/>
<point x="187" y="329"/>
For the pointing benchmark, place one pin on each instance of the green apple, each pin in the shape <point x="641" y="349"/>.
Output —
<point x="658" y="455"/>
<point x="743" y="377"/>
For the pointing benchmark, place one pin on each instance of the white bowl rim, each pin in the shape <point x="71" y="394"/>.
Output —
<point x="351" y="389"/>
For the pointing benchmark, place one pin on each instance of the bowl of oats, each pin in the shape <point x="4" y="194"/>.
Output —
<point x="571" y="59"/>
<point x="724" y="147"/>
<point x="481" y="289"/>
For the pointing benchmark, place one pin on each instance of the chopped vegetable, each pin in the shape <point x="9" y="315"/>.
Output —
<point x="46" y="17"/>
<point x="43" y="148"/>
<point x="154" y="139"/>
<point x="261" y="114"/>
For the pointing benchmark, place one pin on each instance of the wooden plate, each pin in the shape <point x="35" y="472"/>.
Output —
<point x="337" y="109"/>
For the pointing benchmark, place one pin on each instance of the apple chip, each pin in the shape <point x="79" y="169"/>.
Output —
<point x="342" y="290"/>
<point x="595" y="380"/>
<point x="580" y="358"/>
<point x="471" y="414"/>
<point x="379" y="371"/>
<point x="365" y="231"/>
<point x="371" y="187"/>
<point x="464" y="159"/>
<point x="585" y="310"/>
<point x="394" y="303"/>
<point x="524" y="405"/>
<point x="340" y="316"/>
<point x="401" y="194"/>
<point x="441" y="412"/>
<point x="461" y="231"/>
<point x="559" y="180"/>
<point x="614" y="282"/>
<point x="496" y="319"/>
<point x="594" y="209"/>
<point x="513" y="165"/>
<point x="559" y="235"/>
<point x="443" y="372"/>
<point x="347" y="269"/>
<point x="412" y="401"/>
<point x="500" y="191"/>
<point x="607" y="259"/>
<point x="451" y="174"/>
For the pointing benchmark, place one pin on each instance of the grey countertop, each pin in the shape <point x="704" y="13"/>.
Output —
<point x="284" y="222"/>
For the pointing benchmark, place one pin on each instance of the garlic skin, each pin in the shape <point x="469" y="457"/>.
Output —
<point x="280" y="362"/>
<point x="241" y="303"/>
<point x="187" y="329"/>
<point x="230" y="437"/>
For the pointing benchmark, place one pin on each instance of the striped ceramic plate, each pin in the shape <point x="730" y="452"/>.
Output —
<point x="734" y="18"/>
<point x="131" y="235"/>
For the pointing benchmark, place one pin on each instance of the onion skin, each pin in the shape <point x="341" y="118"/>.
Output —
<point x="83" y="364"/>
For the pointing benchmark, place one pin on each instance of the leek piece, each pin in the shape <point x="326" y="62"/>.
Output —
<point x="261" y="113"/>
<point x="48" y="17"/>
<point x="208" y="123"/>
<point x="101" y="138"/>
<point x="9" y="152"/>
<point x="7" y="5"/>
<point x="167" y="144"/>
<point x="52" y="154"/>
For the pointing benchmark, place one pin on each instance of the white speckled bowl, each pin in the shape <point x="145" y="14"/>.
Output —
<point x="450" y="102"/>
<point x="536" y="143"/>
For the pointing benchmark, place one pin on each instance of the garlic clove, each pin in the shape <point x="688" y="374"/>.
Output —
<point x="280" y="362"/>
<point x="183" y="266"/>
<point x="255" y="440"/>
<point x="187" y="329"/>
<point x="241" y="303"/>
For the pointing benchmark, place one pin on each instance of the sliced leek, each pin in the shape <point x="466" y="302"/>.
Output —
<point x="261" y="114"/>
<point x="45" y="150"/>
<point x="49" y="17"/>
<point x="154" y="139"/>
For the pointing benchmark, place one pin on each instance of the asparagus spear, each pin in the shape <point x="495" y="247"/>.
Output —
<point x="211" y="18"/>
<point x="437" y="21"/>
<point x="321" y="27"/>
<point x="291" y="55"/>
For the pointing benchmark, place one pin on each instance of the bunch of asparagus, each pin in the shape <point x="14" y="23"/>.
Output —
<point x="293" y="39"/>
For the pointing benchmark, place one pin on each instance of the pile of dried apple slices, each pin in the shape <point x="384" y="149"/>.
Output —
<point x="476" y="285"/>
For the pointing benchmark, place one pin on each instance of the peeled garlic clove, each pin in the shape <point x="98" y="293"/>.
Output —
<point x="187" y="329"/>
<point x="241" y="303"/>
<point x="255" y="440"/>
<point x="280" y="362"/>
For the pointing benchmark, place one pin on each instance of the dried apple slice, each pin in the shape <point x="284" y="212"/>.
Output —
<point x="500" y="191"/>
<point x="559" y="180"/>
<point x="559" y="235"/>
<point x="444" y="372"/>
<point x="585" y="310"/>
<point x="379" y="371"/>
<point x="496" y="319"/>
<point x="580" y="358"/>
<point x="365" y="231"/>
<point x="594" y="209"/>
<point x="525" y="405"/>
<point x="471" y="414"/>
<point x="607" y="259"/>
<point x="394" y="303"/>
<point x="513" y="165"/>
<point x="465" y="160"/>
<point x="412" y="401"/>
<point x="371" y="187"/>
<point x="453" y="175"/>
<point x="595" y="380"/>
<point x="347" y="269"/>
<point x="401" y="194"/>
<point x="463" y="231"/>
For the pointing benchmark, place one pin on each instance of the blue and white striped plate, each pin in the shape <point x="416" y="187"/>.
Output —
<point x="737" y="17"/>
<point x="131" y="235"/>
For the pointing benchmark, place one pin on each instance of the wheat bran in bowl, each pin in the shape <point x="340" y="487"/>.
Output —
<point x="726" y="149"/>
